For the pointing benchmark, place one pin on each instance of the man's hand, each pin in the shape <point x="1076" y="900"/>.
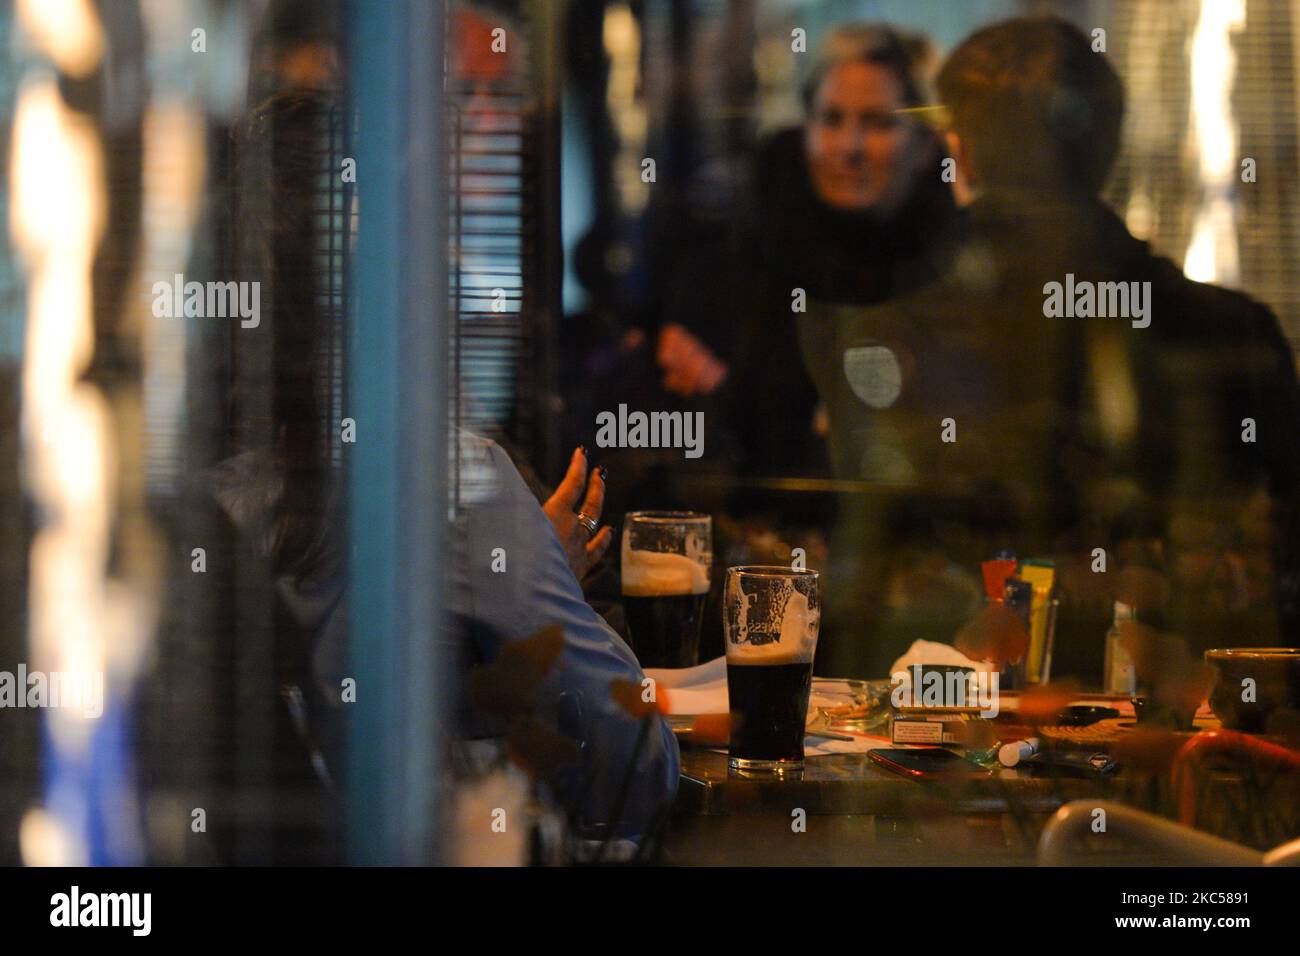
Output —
<point x="690" y="367"/>
<point x="582" y="549"/>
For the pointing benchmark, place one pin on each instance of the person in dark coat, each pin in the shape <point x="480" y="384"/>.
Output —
<point x="847" y="208"/>
<point x="1062" y="389"/>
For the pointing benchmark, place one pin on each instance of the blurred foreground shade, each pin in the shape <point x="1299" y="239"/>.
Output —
<point x="67" y="31"/>
<point x="84" y="621"/>
<point x="1212" y="252"/>
<point x="43" y="841"/>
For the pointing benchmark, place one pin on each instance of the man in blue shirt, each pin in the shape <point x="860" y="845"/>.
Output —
<point x="510" y="594"/>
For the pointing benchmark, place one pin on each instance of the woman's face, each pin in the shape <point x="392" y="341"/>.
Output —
<point x="860" y="151"/>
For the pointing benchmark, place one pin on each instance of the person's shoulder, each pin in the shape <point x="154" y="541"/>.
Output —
<point x="1221" y="333"/>
<point x="1204" y="310"/>
<point x="483" y="470"/>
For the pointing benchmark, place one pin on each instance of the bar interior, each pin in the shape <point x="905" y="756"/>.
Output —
<point x="673" y="432"/>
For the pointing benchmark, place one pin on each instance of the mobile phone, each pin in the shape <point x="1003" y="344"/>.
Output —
<point x="1068" y="764"/>
<point x="929" y="763"/>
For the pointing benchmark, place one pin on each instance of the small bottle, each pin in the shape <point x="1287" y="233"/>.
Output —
<point x="1118" y="675"/>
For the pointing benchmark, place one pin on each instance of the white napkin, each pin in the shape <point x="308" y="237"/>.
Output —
<point x="694" y="690"/>
<point x="933" y="653"/>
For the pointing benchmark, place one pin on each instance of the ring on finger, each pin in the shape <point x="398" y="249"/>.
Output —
<point x="588" y="522"/>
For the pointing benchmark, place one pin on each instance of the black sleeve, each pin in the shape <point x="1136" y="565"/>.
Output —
<point x="1276" y="402"/>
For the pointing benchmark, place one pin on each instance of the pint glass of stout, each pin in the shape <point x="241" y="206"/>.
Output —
<point x="771" y="616"/>
<point x="666" y="561"/>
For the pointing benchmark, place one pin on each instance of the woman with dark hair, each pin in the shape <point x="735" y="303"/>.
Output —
<point x="848" y="209"/>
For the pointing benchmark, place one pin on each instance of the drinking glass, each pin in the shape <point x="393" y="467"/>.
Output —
<point x="665" y="567"/>
<point x="771" y="616"/>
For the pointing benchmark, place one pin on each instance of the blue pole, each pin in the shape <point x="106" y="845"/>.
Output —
<point x="398" y="334"/>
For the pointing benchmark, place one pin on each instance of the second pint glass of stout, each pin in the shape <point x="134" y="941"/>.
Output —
<point x="666" y="561"/>
<point x="771" y="616"/>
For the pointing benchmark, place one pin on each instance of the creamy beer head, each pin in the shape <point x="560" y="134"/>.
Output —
<point x="772" y="615"/>
<point x="666" y="552"/>
<point x="666" y="558"/>
<point x="653" y="573"/>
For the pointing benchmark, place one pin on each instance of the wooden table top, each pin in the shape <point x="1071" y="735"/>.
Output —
<point x="854" y="784"/>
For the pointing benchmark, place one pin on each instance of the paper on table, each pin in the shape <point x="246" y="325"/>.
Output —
<point x="705" y="673"/>
<point x="820" y="746"/>
<point x="934" y="654"/>
<point x="694" y="690"/>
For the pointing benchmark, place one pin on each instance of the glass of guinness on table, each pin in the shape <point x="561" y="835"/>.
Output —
<point x="771" y="616"/>
<point x="666" y="561"/>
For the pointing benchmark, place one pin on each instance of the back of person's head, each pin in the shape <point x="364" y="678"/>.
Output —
<point x="296" y="46"/>
<point x="1034" y="106"/>
<point x="903" y="55"/>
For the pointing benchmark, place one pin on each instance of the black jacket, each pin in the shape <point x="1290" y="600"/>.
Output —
<point x="1070" y="432"/>
<point x="739" y="299"/>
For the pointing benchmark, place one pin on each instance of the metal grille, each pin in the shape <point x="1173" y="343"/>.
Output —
<point x="1154" y="184"/>
<point x="335" y="209"/>
<point x="1269" y="209"/>
<point x="505" y="268"/>
<point x="490" y="222"/>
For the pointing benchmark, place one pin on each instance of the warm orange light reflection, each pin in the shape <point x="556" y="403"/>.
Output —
<point x="1212" y="253"/>
<point x="67" y="31"/>
<point x="56" y="220"/>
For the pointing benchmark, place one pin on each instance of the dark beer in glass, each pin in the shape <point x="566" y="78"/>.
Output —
<point x="771" y="617"/>
<point x="665" y="567"/>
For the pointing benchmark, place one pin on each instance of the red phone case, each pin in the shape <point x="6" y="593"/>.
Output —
<point x="955" y="766"/>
